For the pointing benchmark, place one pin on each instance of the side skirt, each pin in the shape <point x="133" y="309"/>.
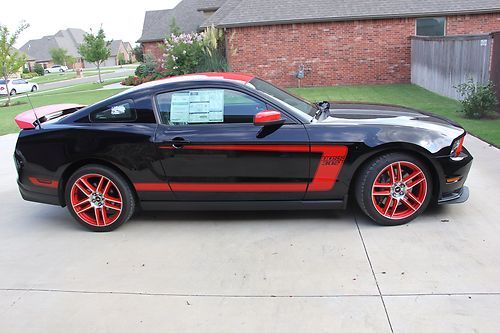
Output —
<point x="242" y="205"/>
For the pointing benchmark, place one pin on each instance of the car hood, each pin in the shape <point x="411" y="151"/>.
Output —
<point x="384" y="114"/>
<point x="390" y="123"/>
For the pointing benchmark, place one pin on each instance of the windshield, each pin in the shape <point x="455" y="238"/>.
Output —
<point x="283" y="96"/>
<point x="2" y="81"/>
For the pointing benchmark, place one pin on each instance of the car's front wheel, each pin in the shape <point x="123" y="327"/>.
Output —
<point x="34" y="89"/>
<point x="13" y="92"/>
<point x="394" y="188"/>
<point x="99" y="198"/>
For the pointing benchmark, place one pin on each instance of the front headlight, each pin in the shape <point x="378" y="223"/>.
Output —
<point x="456" y="147"/>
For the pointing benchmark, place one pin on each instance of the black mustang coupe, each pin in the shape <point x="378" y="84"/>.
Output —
<point x="226" y="141"/>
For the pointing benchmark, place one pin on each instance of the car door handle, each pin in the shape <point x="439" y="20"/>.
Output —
<point x="178" y="142"/>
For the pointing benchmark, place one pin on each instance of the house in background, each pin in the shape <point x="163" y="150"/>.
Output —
<point x="337" y="42"/>
<point x="189" y="16"/>
<point x="117" y="47"/>
<point x="38" y="50"/>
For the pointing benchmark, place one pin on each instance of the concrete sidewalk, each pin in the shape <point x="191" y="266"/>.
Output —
<point x="253" y="272"/>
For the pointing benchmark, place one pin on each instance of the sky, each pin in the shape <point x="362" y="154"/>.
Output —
<point x="119" y="19"/>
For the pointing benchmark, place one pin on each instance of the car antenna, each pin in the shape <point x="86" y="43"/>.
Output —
<point x="34" y="112"/>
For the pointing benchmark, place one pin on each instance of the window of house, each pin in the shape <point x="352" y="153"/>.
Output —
<point x="207" y="106"/>
<point x="431" y="26"/>
<point x="123" y="111"/>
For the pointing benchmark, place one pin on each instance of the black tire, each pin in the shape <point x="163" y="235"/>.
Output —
<point x="34" y="88"/>
<point x="121" y="189"/>
<point x="372" y="170"/>
<point x="61" y="70"/>
<point x="47" y="72"/>
<point x="13" y="92"/>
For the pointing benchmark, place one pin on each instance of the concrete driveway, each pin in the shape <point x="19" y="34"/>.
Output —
<point x="253" y="272"/>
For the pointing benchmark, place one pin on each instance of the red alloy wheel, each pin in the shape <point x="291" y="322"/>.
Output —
<point x="399" y="190"/>
<point x="96" y="200"/>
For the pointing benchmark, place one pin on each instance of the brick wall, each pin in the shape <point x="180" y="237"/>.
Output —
<point x="354" y="52"/>
<point x="154" y="49"/>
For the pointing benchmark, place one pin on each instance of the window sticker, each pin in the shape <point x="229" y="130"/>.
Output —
<point x="198" y="106"/>
<point x="179" y="108"/>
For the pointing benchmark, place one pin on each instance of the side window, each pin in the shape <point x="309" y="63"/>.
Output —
<point x="123" y="111"/>
<point x="207" y="106"/>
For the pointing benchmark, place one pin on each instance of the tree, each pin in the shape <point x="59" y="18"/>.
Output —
<point x="11" y="60"/>
<point x="174" y="28"/>
<point x="70" y="60"/>
<point x="95" y="49"/>
<point x="121" y="59"/>
<point x="58" y="55"/>
<point x="138" y="53"/>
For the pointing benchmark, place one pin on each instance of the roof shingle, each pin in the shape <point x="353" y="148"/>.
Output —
<point x="266" y="12"/>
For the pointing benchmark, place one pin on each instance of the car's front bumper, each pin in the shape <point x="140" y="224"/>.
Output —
<point x="453" y="177"/>
<point x="459" y="196"/>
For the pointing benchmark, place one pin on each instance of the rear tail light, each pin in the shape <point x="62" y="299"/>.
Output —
<point x="2" y="88"/>
<point x="457" y="146"/>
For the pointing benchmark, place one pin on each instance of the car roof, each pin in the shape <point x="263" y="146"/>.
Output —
<point x="241" y="78"/>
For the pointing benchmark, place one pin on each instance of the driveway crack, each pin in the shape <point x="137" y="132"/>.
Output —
<point x="373" y="273"/>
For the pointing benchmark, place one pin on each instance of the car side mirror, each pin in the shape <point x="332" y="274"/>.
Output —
<point x="268" y="118"/>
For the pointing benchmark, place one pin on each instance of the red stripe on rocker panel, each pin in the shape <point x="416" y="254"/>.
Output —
<point x="239" y="187"/>
<point x="161" y="187"/>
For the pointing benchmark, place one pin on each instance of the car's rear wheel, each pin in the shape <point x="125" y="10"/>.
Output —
<point x="394" y="188"/>
<point x="13" y="92"/>
<point x="99" y="198"/>
<point x="34" y="88"/>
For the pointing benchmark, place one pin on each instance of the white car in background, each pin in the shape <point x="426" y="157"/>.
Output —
<point x="56" y="69"/>
<point x="17" y="86"/>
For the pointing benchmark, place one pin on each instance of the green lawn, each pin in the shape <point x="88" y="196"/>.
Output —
<point x="85" y="93"/>
<point x="47" y="78"/>
<point x="406" y="95"/>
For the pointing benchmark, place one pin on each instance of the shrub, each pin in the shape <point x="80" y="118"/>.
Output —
<point x="39" y="69"/>
<point x="214" y="62"/>
<point x="195" y="52"/>
<point x="135" y="80"/>
<point x="478" y="100"/>
<point x="183" y="53"/>
<point x="28" y="75"/>
<point x="148" y="67"/>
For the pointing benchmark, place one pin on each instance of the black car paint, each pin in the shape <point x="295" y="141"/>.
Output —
<point x="56" y="150"/>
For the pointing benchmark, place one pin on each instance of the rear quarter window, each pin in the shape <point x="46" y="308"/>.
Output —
<point x="123" y="111"/>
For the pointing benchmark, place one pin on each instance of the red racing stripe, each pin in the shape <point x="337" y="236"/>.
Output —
<point x="325" y="177"/>
<point x="239" y="187"/>
<point x="161" y="187"/>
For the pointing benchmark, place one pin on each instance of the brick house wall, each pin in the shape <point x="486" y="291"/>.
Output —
<point x="154" y="49"/>
<point x="350" y="52"/>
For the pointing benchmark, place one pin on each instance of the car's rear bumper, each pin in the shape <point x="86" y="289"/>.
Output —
<point x="29" y="195"/>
